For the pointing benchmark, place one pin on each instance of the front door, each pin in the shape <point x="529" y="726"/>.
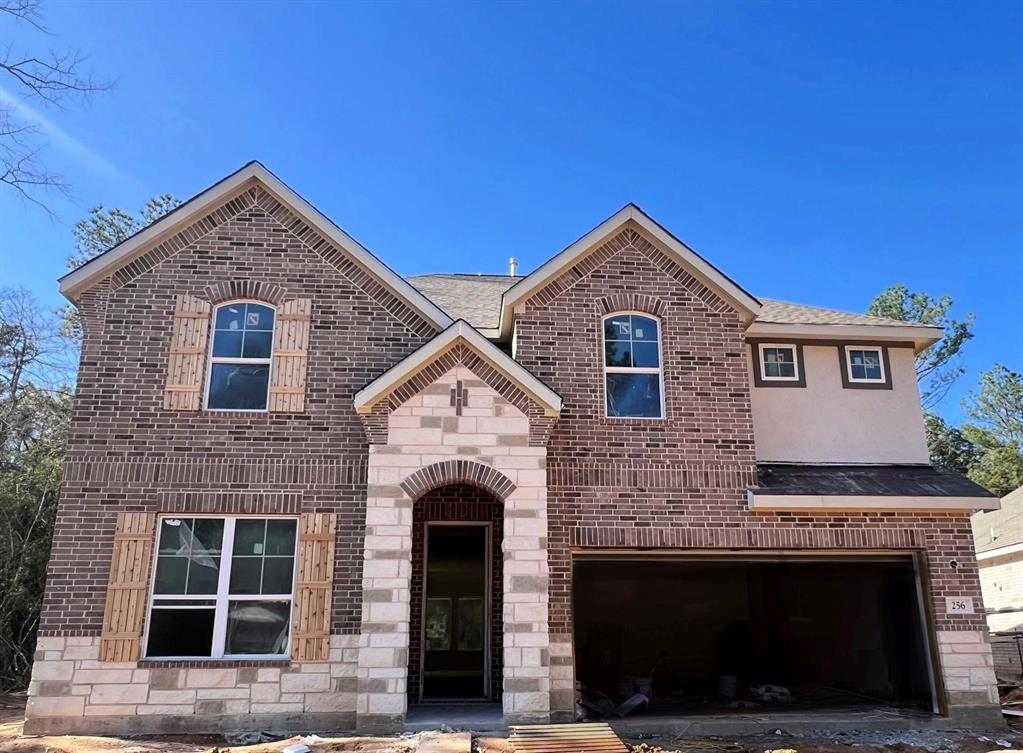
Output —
<point x="455" y="612"/>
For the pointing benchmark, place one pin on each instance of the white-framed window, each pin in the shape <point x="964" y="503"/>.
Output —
<point x="223" y="587"/>
<point x="241" y="352"/>
<point x="778" y="363"/>
<point x="864" y="365"/>
<point x="633" y="379"/>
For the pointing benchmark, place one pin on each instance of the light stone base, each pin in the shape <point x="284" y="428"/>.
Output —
<point x="297" y="723"/>
<point x="967" y="667"/>
<point x="72" y="691"/>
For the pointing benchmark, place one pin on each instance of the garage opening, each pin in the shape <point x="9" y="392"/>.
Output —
<point x="773" y="632"/>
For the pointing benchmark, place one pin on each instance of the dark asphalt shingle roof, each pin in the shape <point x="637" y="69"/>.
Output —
<point x="866" y="480"/>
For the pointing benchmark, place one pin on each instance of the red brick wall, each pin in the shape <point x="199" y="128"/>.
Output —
<point x="127" y="453"/>
<point x="681" y="482"/>
<point x="464" y="503"/>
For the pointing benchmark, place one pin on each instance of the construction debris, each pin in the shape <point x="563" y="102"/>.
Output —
<point x="566" y="738"/>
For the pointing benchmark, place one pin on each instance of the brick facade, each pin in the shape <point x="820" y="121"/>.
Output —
<point x="681" y="483"/>
<point x="458" y="440"/>
<point x="126" y="450"/>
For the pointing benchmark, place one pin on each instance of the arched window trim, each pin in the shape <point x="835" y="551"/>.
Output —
<point x="659" y="370"/>
<point x="211" y="359"/>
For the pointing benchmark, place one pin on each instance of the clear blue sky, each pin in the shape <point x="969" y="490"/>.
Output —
<point x="816" y="152"/>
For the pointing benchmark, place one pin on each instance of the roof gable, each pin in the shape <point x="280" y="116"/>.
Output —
<point x="253" y="174"/>
<point x="459" y="333"/>
<point x="743" y="302"/>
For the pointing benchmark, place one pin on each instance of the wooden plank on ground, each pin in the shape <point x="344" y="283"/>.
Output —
<point x="566" y="738"/>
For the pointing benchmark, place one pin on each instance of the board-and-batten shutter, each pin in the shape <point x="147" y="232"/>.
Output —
<point x="186" y="364"/>
<point x="127" y="590"/>
<point x="290" y="356"/>
<point x="311" y="628"/>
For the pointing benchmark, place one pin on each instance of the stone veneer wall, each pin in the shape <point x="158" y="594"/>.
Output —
<point x="72" y="691"/>
<point x="489" y="438"/>
<point x="967" y="666"/>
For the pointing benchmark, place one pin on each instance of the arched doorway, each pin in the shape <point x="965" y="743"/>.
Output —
<point x="455" y="627"/>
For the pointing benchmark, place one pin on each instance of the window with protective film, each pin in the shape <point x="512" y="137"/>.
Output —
<point x="240" y="358"/>
<point x="222" y="587"/>
<point x="633" y="382"/>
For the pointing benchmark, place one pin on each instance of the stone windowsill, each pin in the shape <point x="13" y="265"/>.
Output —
<point x="211" y="663"/>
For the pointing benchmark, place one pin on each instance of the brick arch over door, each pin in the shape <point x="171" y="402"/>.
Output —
<point x="458" y="472"/>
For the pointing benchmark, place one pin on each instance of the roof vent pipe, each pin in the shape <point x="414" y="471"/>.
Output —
<point x="513" y="266"/>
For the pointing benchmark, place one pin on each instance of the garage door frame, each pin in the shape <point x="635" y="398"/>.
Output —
<point x="916" y="557"/>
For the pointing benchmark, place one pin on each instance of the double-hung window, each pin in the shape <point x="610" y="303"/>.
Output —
<point x="632" y="366"/>
<point x="222" y="587"/>
<point x="239" y="374"/>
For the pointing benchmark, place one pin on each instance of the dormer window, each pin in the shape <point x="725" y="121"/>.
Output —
<point x="865" y="366"/>
<point x="632" y="366"/>
<point x="239" y="374"/>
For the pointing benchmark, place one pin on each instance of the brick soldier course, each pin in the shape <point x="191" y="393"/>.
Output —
<point x="463" y="436"/>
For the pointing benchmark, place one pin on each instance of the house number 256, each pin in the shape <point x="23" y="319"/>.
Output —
<point x="959" y="605"/>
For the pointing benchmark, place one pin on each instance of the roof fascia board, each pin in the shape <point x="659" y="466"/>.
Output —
<point x="922" y="337"/>
<point x="109" y="261"/>
<point x="1002" y="551"/>
<point x="81" y="278"/>
<point x="373" y="392"/>
<point x="839" y="502"/>
<point x="746" y="304"/>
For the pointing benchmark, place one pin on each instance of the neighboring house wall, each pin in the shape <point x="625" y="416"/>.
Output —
<point x="826" y="422"/>
<point x="1001" y="579"/>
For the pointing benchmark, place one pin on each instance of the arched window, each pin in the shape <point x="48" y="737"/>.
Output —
<point x="239" y="374"/>
<point x="632" y="366"/>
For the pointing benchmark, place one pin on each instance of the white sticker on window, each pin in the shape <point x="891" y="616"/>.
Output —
<point x="257" y="548"/>
<point x="639" y="332"/>
<point x="253" y="318"/>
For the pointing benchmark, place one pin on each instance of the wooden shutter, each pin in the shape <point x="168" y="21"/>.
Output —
<point x="290" y="356"/>
<point x="185" y="367"/>
<point x="311" y="633"/>
<point x="121" y="639"/>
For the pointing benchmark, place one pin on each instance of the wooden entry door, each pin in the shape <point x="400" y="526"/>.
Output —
<point x="456" y="635"/>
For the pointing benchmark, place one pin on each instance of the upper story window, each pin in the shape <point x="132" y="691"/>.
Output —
<point x="864" y="364"/>
<point x="632" y="366"/>
<point x="222" y="587"/>
<point x="865" y="367"/>
<point x="778" y="363"/>
<point x="239" y="374"/>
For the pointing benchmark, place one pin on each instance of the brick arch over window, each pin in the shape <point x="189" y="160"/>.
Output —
<point x="458" y="472"/>
<point x="647" y="304"/>
<point x="250" y="289"/>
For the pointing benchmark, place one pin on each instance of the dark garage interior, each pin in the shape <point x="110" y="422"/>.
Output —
<point x="737" y="633"/>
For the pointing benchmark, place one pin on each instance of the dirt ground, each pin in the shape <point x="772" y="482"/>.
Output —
<point x="12" y="741"/>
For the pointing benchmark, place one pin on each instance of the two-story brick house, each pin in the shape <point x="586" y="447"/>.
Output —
<point x="303" y="491"/>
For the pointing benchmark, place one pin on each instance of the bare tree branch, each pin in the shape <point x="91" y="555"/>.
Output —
<point x="51" y="78"/>
<point x="24" y="10"/>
